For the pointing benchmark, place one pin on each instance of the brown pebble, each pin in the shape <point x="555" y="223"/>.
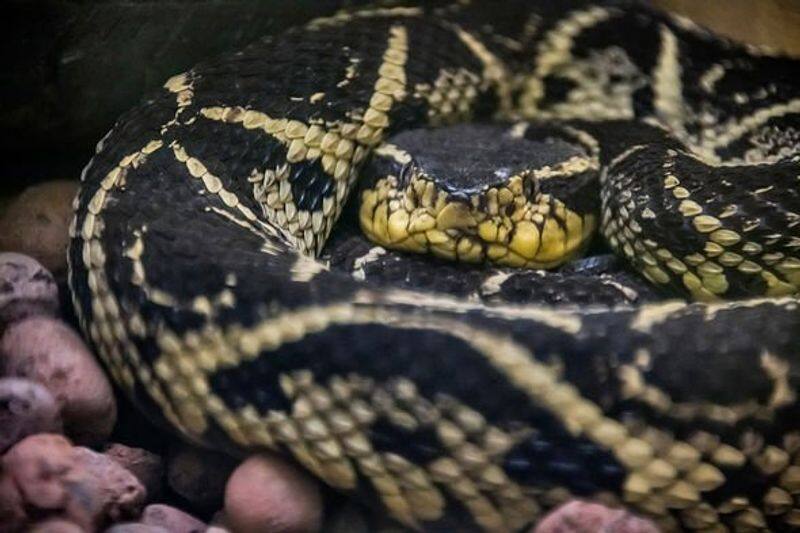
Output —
<point x="171" y="519"/>
<point x="46" y="350"/>
<point x="125" y="493"/>
<point x="26" y="407"/>
<point x="36" y="223"/>
<point x="199" y="476"/>
<point x="26" y="289"/>
<point x="56" y="525"/>
<point x="146" y="466"/>
<point x="584" y="517"/>
<point x="265" y="494"/>
<point x="52" y="477"/>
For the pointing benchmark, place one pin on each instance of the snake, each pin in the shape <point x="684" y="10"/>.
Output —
<point x="198" y="270"/>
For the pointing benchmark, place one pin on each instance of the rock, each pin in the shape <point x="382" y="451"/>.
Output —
<point x="125" y="494"/>
<point x="585" y="517"/>
<point x="267" y="495"/>
<point x="56" y="525"/>
<point x="146" y="466"/>
<point x="37" y="222"/>
<point x="51" y="477"/>
<point x="199" y="476"/>
<point x="46" y="350"/>
<point x="26" y="289"/>
<point x="171" y="519"/>
<point x="26" y="408"/>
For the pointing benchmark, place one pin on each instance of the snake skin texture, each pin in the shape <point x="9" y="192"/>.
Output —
<point x="193" y="269"/>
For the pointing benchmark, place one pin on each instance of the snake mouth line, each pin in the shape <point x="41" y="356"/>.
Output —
<point x="511" y="225"/>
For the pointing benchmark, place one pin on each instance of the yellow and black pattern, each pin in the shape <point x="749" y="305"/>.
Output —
<point x="194" y="270"/>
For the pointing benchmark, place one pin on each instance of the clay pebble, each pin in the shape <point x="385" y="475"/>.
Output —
<point x="268" y="495"/>
<point x="47" y="351"/>
<point x="45" y="475"/>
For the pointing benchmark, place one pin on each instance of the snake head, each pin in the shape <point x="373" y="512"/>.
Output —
<point x="480" y="193"/>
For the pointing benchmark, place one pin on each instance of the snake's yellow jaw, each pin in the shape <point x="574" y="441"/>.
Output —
<point x="500" y="225"/>
<point x="521" y="218"/>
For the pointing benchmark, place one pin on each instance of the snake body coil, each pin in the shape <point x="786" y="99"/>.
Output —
<point x="193" y="270"/>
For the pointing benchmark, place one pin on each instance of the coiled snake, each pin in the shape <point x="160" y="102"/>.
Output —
<point x="193" y="270"/>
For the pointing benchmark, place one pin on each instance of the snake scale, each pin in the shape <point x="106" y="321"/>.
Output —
<point x="193" y="269"/>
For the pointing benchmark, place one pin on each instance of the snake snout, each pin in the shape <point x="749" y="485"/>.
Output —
<point x="474" y="194"/>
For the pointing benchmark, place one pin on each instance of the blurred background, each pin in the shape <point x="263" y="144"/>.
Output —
<point x="72" y="66"/>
